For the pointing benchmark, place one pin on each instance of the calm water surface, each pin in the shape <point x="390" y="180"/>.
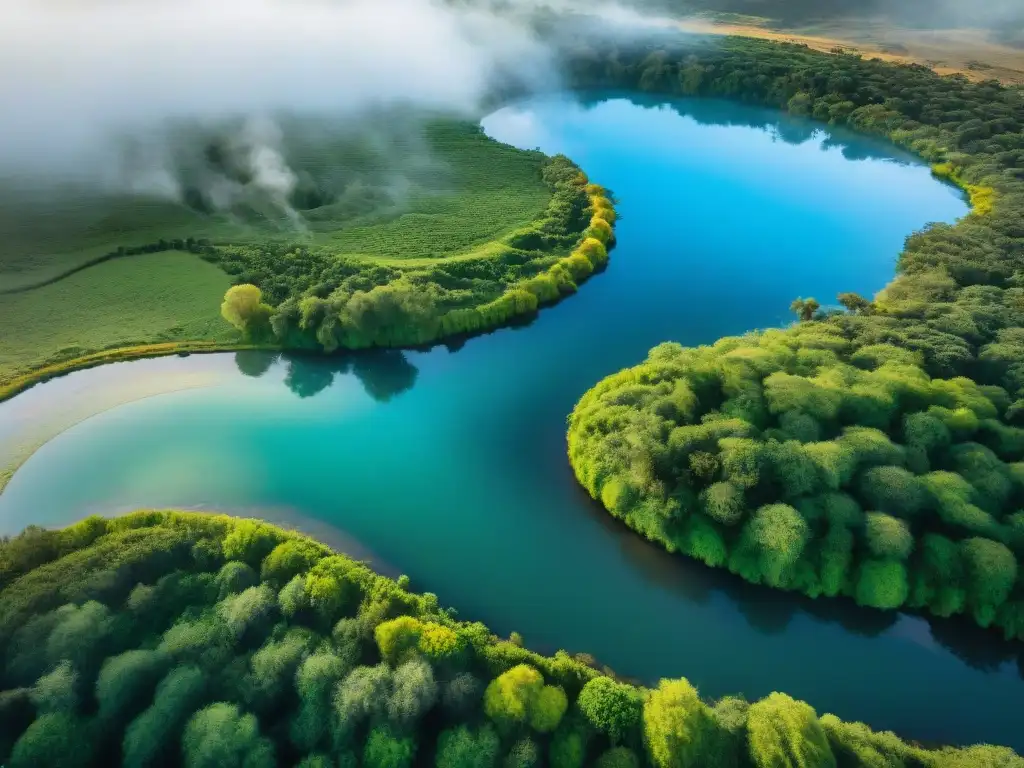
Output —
<point x="450" y="465"/>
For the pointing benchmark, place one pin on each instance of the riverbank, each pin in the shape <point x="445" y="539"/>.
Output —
<point x="522" y="300"/>
<point x="559" y="279"/>
<point x="22" y="382"/>
<point x="36" y="426"/>
<point x="850" y="455"/>
<point x="217" y="595"/>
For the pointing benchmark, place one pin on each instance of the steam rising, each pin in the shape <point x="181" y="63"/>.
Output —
<point x="246" y="167"/>
<point x="102" y="92"/>
<point x="87" y="64"/>
<point x="98" y="81"/>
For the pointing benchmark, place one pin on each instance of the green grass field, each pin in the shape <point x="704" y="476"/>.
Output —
<point x="493" y="190"/>
<point x="43" y="237"/>
<point x="449" y="193"/>
<point x="456" y="189"/>
<point x="141" y="299"/>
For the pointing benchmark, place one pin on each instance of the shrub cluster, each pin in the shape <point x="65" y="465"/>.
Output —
<point x="167" y="639"/>
<point x="872" y="451"/>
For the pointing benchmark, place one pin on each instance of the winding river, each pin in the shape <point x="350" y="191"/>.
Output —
<point x="449" y="465"/>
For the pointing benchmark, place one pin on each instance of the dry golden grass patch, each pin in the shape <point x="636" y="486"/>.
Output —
<point x="970" y="52"/>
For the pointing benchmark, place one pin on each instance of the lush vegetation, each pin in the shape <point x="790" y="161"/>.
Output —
<point x="306" y="298"/>
<point x="165" y="639"/>
<point x="874" y="450"/>
<point x="435" y="232"/>
<point x="397" y="187"/>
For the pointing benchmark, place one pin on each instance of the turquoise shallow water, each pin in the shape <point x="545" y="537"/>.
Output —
<point x="449" y="465"/>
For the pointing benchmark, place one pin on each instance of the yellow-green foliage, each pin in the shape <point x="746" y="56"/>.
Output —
<point x="397" y="638"/>
<point x="785" y="733"/>
<point x="567" y="273"/>
<point x="287" y="560"/>
<point x="519" y="697"/>
<point x="509" y="697"/>
<point x="249" y="541"/>
<point x="329" y="586"/>
<point x="600" y="228"/>
<point x="612" y="708"/>
<point x="579" y="267"/>
<point x="676" y="725"/>
<point x="244" y="308"/>
<point x="404" y="637"/>
<point x="982" y="197"/>
<point x="438" y="642"/>
<point x="595" y="251"/>
<point x="548" y="708"/>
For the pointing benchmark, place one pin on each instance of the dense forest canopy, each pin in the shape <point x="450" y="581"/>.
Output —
<point x="182" y="639"/>
<point x="874" y="450"/>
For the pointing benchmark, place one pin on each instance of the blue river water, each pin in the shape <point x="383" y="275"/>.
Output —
<point x="449" y="465"/>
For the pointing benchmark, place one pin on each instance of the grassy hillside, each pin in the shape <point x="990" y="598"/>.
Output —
<point x="47" y="232"/>
<point x="477" y="192"/>
<point x="166" y="639"/>
<point x="384" y="242"/>
<point x="416" y="186"/>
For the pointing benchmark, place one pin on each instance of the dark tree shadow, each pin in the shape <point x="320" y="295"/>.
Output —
<point x="254" y="362"/>
<point x="865" y="622"/>
<point x="384" y="373"/>
<point x="309" y="375"/>
<point x="784" y="126"/>
<point x="982" y="649"/>
<point x="768" y="610"/>
<point x="793" y="130"/>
